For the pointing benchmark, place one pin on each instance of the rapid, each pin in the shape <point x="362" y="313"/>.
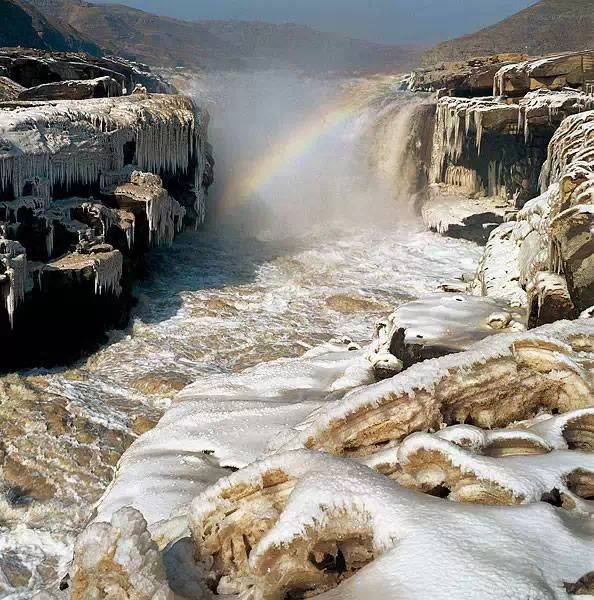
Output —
<point x="312" y="236"/>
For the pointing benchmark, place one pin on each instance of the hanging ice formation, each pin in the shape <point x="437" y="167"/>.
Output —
<point x="74" y="142"/>
<point x="12" y="281"/>
<point x="108" y="272"/>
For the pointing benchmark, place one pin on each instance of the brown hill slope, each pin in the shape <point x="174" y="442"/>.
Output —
<point x="24" y="25"/>
<point x="546" y="27"/>
<point x="162" y="41"/>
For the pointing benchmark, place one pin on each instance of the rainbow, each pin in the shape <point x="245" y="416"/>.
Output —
<point x="288" y="150"/>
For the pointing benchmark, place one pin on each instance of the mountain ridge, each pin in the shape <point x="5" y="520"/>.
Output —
<point x="546" y="27"/>
<point x="217" y="44"/>
<point x="30" y="27"/>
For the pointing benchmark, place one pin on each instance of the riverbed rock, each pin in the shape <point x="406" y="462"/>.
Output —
<point x="101" y="87"/>
<point x="441" y="324"/>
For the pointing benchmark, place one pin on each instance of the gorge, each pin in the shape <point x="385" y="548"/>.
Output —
<point x="251" y="433"/>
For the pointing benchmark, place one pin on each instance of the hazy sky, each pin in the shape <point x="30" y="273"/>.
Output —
<point x="379" y="20"/>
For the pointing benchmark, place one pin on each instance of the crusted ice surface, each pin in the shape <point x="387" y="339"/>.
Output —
<point x="74" y="142"/>
<point x="232" y="419"/>
<point x="118" y="560"/>
<point x="441" y="323"/>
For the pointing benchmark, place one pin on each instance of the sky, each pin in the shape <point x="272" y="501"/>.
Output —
<point x="388" y="21"/>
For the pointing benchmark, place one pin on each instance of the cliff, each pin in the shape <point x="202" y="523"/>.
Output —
<point x="86" y="188"/>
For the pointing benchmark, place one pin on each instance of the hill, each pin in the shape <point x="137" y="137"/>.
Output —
<point x="547" y="27"/>
<point x="24" y="25"/>
<point x="167" y="42"/>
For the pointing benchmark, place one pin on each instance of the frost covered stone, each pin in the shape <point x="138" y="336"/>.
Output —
<point x="302" y="521"/>
<point x="118" y="560"/>
<point x="441" y="324"/>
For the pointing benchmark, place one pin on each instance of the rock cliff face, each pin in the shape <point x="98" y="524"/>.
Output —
<point x="86" y="187"/>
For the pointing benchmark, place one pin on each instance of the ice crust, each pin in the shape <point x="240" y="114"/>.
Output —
<point x="74" y="142"/>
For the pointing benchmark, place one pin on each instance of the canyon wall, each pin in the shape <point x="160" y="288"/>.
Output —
<point x="87" y="186"/>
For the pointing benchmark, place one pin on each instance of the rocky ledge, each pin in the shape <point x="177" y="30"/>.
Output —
<point x="91" y="177"/>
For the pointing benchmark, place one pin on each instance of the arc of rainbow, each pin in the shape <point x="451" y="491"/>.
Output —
<point x="289" y="149"/>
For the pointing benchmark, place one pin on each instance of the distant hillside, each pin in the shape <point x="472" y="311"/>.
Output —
<point x="167" y="42"/>
<point x="546" y="27"/>
<point x="24" y="25"/>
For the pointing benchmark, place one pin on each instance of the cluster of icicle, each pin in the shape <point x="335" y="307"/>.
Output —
<point x="14" y="260"/>
<point x="550" y="108"/>
<point x="520" y="252"/>
<point x="459" y="118"/>
<point x="165" y="218"/>
<point x="74" y="142"/>
<point x="108" y="267"/>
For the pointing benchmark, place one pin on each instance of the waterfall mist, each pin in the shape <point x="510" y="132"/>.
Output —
<point x="295" y="154"/>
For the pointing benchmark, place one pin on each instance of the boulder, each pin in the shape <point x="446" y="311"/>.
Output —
<point x="101" y="87"/>
<point x="440" y="324"/>
<point x="571" y="69"/>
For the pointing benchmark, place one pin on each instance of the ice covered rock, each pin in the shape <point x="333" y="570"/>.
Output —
<point x="515" y="468"/>
<point x="302" y="523"/>
<point x="105" y="263"/>
<point x="118" y="560"/>
<point x="164" y="215"/>
<point x="549" y="299"/>
<point x="477" y="150"/>
<point x="499" y="380"/>
<point x="453" y="209"/>
<point x="101" y="87"/>
<point x="571" y="69"/>
<point x="441" y="324"/>
<point x="551" y="234"/>
<point x="73" y="142"/>
<point x="223" y="424"/>
<point x="465" y="78"/>
<point x="546" y="109"/>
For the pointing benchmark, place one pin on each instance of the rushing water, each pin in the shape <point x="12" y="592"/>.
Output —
<point x="324" y="246"/>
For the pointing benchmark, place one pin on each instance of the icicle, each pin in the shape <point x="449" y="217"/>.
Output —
<point x="14" y="259"/>
<point x="108" y="269"/>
